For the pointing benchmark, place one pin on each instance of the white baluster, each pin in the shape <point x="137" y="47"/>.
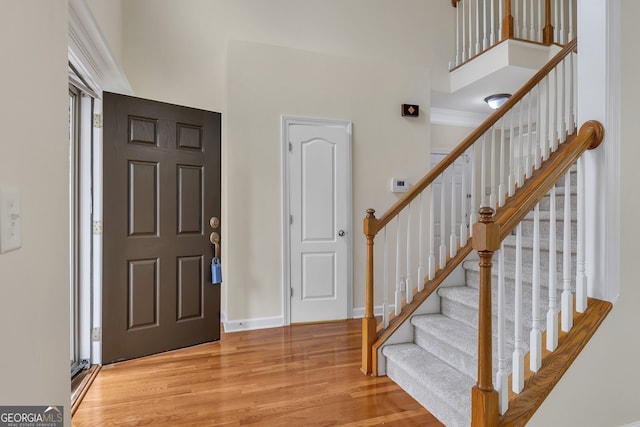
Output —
<point x="502" y="377"/>
<point x="562" y="134"/>
<point x="504" y="177"/>
<point x="464" y="30"/>
<point x="408" y="279"/>
<point x="556" y="19"/>
<point x="572" y="99"/>
<point x="535" y="337"/>
<point x="385" y="281"/>
<point x="432" y="236"/>
<point x="562" y="39"/>
<point x="525" y="29"/>
<point x="463" y="202"/>
<point x="453" y="238"/>
<point x="519" y="163"/>
<point x="493" y="194"/>
<point x="458" y="35"/>
<point x="552" y="313"/>
<point x="532" y="23"/>
<point x="470" y="8"/>
<point x="570" y="108"/>
<point x="399" y="277"/>
<point x="500" y="15"/>
<point x="537" y="151"/>
<point x="581" y="279"/>
<point x="421" y="238"/>
<point x="540" y="22"/>
<point x="570" y="35"/>
<point x="518" y="352"/>
<point x="483" y="172"/>
<point x="443" y="232"/>
<point x="474" y="197"/>
<point x="567" y="296"/>
<point x="545" y="113"/>
<point x="553" y="122"/>
<point x="528" y="164"/>
<point x="517" y="33"/>
<point x="512" y="172"/>
<point x="478" y="50"/>
<point x="492" y="40"/>
<point x="485" y="23"/>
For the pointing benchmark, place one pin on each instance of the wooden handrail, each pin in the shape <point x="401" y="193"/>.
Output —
<point x="525" y="198"/>
<point x="487" y="235"/>
<point x="420" y="186"/>
<point x="373" y="225"/>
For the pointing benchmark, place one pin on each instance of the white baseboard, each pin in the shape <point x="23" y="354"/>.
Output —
<point x="251" y="324"/>
<point x="358" y="312"/>
<point x="277" y="321"/>
<point x="636" y="424"/>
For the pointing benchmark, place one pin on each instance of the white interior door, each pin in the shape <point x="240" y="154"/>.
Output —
<point x="320" y="221"/>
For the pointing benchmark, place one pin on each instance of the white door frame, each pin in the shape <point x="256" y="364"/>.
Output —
<point x="91" y="57"/>
<point x="286" y="211"/>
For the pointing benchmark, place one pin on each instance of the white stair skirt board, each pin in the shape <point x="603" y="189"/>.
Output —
<point x="439" y="367"/>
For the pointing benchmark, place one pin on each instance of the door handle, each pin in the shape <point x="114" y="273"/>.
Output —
<point x="214" y="238"/>
<point x="341" y="233"/>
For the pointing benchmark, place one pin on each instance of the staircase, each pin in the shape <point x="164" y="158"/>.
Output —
<point x="439" y="367"/>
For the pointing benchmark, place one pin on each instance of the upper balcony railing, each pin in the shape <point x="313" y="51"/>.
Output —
<point x="481" y="24"/>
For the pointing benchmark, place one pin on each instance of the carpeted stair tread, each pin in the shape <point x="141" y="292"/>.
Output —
<point x="461" y="304"/>
<point x="453" y="342"/>
<point x="443" y="390"/>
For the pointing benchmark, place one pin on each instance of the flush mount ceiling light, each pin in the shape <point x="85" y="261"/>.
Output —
<point x="496" y="101"/>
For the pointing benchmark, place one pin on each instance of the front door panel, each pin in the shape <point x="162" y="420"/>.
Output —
<point x="161" y="186"/>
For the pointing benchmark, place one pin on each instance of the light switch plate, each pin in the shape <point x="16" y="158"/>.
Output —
<point x="10" y="220"/>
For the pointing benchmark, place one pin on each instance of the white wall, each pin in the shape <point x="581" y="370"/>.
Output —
<point x="182" y="52"/>
<point x="601" y="388"/>
<point x="34" y="158"/>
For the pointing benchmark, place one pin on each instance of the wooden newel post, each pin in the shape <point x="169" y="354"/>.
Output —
<point x="507" y="21"/>
<point x="370" y="225"/>
<point x="547" y="32"/>
<point x="484" y="399"/>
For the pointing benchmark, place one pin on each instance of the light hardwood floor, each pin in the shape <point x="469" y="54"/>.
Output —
<point x="305" y="375"/>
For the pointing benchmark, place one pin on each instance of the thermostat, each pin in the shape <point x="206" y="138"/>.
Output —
<point x="399" y="185"/>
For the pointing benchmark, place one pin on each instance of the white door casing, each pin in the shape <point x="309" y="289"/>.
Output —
<point x="318" y="232"/>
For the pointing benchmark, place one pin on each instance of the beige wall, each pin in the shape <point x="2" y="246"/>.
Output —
<point x="356" y="60"/>
<point x="34" y="158"/>
<point x="601" y="388"/>
<point x="266" y="82"/>
<point x="108" y="14"/>
<point x="445" y="138"/>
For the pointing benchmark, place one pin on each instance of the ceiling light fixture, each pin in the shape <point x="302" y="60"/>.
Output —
<point x="496" y="101"/>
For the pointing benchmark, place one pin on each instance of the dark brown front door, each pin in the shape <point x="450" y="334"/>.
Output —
<point x="161" y="187"/>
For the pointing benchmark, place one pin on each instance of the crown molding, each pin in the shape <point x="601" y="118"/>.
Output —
<point x="89" y="52"/>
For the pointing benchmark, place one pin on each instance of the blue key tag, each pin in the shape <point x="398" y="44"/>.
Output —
<point x="216" y="271"/>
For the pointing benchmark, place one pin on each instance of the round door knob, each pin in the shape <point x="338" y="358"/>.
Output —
<point x="214" y="222"/>
<point x="214" y="238"/>
<point x="341" y="233"/>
